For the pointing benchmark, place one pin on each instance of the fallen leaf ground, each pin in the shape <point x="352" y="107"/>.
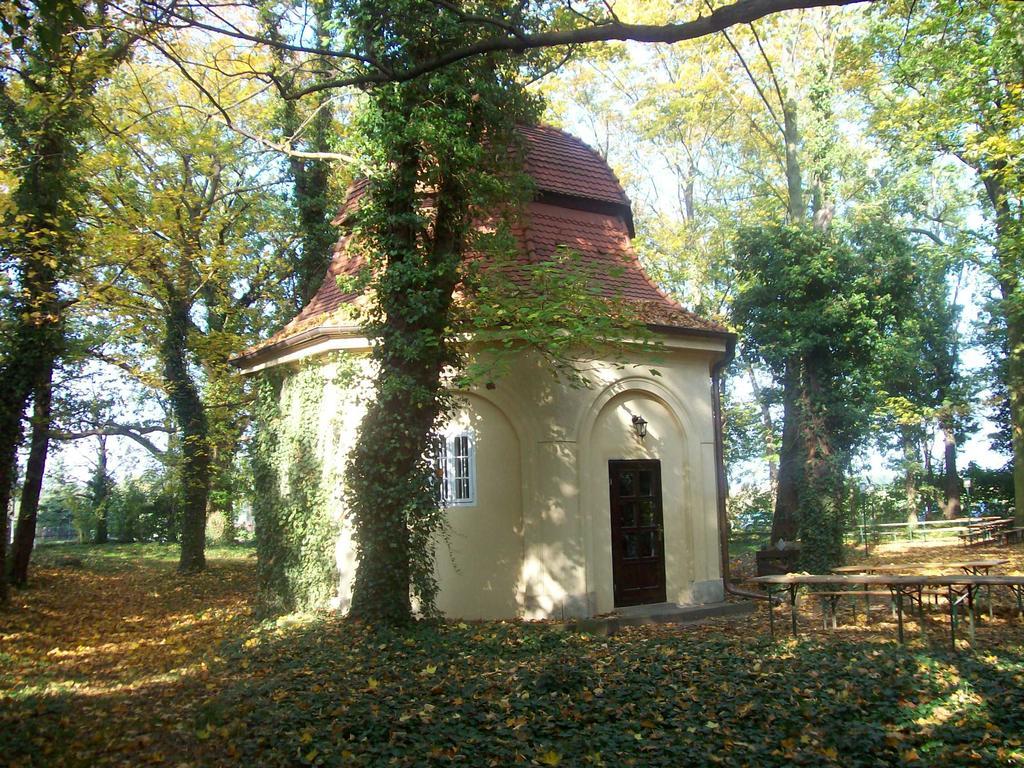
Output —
<point x="119" y="662"/>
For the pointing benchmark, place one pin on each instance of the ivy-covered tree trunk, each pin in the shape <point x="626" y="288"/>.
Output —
<point x="796" y="209"/>
<point x="390" y="473"/>
<point x="99" y="492"/>
<point x="56" y="55"/>
<point x="38" y="237"/>
<point x="1013" y="311"/>
<point x="821" y="492"/>
<point x="310" y="175"/>
<point x="13" y="394"/>
<point x="437" y="153"/>
<point x="38" y="335"/>
<point x="190" y="415"/>
<point x="15" y="389"/>
<point x="310" y="178"/>
<point x="911" y="481"/>
<point x="1015" y="380"/>
<point x="35" y="468"/>
<point x="1009" y="252"/>
<point x="785" y="521"/>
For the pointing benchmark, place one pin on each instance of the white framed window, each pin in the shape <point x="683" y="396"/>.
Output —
<point x="457" y="467"/>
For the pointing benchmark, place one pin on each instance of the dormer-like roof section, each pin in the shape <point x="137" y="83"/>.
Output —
<point x="561" y="164"/>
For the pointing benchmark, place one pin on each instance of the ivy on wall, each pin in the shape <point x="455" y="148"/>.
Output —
<point x="296" y="528"/>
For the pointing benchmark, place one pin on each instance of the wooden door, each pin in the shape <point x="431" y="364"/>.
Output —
<point x="638" y="540"/>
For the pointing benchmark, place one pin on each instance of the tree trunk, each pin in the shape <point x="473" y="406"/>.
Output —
<point x="35" y="468"/>
<point x="1015" y="385"/>
<point x="951" y="508"/>
<point x="99" y="492"/>
<point x="190" y="415"/>
<point x="34" y="347"/>
<point x="785" y="523"/>
<point x="3" y="558"/>
<point x="821" y="490"/>
<point x="14" y="392"/>
<point x="310" y="177"/>
<point x="910" y="476"/>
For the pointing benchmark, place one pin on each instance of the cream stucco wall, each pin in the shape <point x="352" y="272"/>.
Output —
<point x="480" y="555"/>
<point x="537" y="543"/>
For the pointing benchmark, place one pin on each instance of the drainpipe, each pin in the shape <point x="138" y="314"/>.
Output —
<point x="723" y="520"/>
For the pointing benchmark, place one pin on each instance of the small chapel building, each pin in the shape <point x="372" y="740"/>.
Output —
<point x="562" y="502"/>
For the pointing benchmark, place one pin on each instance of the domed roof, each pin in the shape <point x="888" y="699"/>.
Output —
<point x="579" y="204"/>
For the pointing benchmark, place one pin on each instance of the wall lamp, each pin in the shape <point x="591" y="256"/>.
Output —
<point x="640" y="426"/>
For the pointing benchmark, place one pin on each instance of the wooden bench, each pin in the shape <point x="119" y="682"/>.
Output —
<point x="1012" y="535"/>
<point x="830" y="602"/>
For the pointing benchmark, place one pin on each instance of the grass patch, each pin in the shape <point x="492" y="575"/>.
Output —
<point x="115" y="556"/>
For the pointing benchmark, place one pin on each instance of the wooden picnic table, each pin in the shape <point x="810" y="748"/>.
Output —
<point x="987" y="530"/>
<point x="972" y="567"/>
<point x="960" y="589"/>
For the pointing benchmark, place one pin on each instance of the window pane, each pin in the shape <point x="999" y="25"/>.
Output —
<point x="646" y="512"/>
<point x="631" y="546"/>
<point x="646" y="482"/>
<point x="627" y="514"/>
<point x="455" y="469"/>
<point x="626" y="483"/>
<point x="649" y="544"/>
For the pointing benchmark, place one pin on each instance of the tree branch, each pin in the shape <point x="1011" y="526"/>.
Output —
<point x="519" y="41"/>
<point x="134" y="432"/>
<point x="927" y="233"/>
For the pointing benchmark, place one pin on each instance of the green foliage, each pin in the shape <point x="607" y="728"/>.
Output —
<point x="556" y="308"/>
<point x="146" y="508"/>
<point x="991" y="491"/>
<point x="143" y="509"/>
<point x="296" y="531"/>
<point x="64" y="507"/>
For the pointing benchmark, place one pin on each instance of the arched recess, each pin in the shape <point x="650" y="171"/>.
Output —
<point x="480" y="558"/>
<point x="605" y="433"/>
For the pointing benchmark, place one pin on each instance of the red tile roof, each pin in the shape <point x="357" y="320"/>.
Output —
<point x="589" y="215"/>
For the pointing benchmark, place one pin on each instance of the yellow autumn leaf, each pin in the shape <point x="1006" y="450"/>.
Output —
<point x="549" y="758"/>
